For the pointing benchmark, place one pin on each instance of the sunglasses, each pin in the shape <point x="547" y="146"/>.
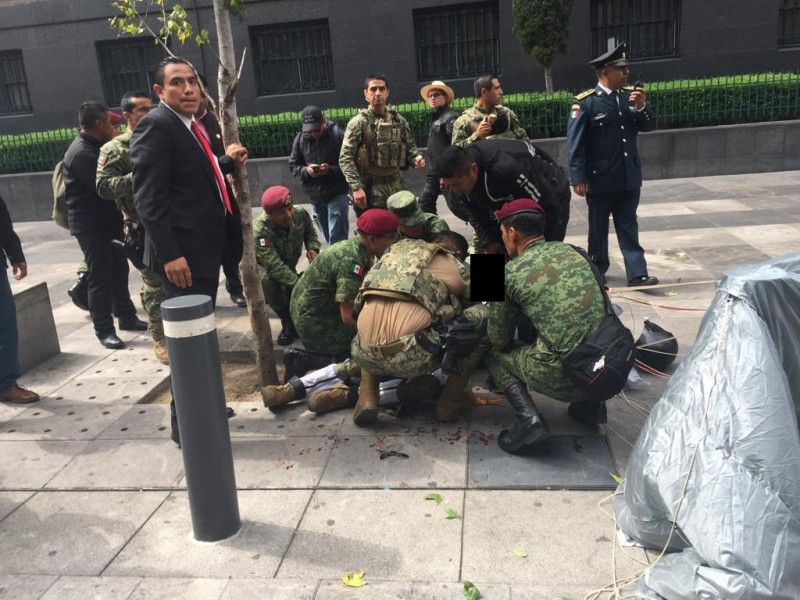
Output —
<point x="433" y="95"/>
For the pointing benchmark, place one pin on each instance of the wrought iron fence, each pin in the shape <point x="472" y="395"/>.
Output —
<point x="677" y="104"/>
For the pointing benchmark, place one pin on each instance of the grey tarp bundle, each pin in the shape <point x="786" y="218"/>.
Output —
<point x="729" y="417"/>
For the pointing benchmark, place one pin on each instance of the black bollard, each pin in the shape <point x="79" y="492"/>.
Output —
<point x="191" y="334"/>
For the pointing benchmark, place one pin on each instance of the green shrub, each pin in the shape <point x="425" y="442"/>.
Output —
<point x="683" y="103"/>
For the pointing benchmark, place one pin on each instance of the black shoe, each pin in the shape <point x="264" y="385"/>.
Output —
<point x="524" y="434"/>
<point x="230" y="412"/>
<point x="588" y="413"/>
<point x="238" y="299"/>
<point x="287" y="335"/>
<point x="79" y="292"/>
<point x="111" y="341"/>
<point x="133" y="323"/>
<point x="642" y="281"/>
<point x="175" y="435"/>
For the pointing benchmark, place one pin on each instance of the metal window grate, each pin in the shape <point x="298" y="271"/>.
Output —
<point x="789" y="20"/>
<point x="457" y="42"/>
<point x="14" y="97"/>
<point x="650" y="27"/>
<point x="127" y="65"/>
<point x="292" y="57"/>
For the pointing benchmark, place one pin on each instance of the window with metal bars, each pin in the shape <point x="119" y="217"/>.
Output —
<point x="127" y="65"/>
<point x="789" y="23"/>
<point x="14" y="97"/>
<point x="462" y="40"/>
<point x="652" y="28"/>
<point x="292" y="57"/>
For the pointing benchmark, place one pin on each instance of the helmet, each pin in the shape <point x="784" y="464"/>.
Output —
<point x="656" y="347"/>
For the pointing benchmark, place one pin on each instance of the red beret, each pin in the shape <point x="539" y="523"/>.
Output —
<point x="115" y="119"/>
<point x="519" y="205"/>
<point x="275" y="198"/>
<point x="377" y="221"/>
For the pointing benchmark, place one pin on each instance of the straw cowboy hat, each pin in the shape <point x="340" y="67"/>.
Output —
<point x="438" y="85"/>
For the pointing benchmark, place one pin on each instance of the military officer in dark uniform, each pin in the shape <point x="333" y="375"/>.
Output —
<point x="604" y="163"/>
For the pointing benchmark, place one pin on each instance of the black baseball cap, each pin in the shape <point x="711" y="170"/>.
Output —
<point x="312" y="119"/>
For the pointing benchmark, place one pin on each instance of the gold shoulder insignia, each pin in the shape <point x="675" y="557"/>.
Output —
<point x="584" y="94"/>
<point x="575" y="106"/>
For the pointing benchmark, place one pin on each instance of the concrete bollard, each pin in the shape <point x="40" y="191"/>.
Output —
<point x="190" y="329"/>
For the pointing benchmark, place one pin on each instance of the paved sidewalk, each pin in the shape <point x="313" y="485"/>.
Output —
<point x="92" y="494"/>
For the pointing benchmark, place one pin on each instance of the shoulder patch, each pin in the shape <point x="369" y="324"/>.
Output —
<point x="584" y="94"/>
<point x="102" y="160"/>
<point x="575" y="106"/>
<point x="263" y="242"/>
<point x="357" y="269"/>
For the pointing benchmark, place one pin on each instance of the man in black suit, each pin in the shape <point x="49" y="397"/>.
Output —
<point x="179" y="189"/>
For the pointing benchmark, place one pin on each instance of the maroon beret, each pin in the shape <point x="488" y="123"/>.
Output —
<point x="275" y="198"/>
<point x="377" y="221"/>
<point x="519" y="205"/>
<point x="115" y="119"/>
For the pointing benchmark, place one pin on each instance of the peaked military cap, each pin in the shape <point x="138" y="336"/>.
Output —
<point x="404" y="205"/>
<point x="618" y="57"/>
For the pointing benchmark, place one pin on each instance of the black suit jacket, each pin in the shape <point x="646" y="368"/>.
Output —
<point x="176" y="194"/>
<point x="9" y="241"/>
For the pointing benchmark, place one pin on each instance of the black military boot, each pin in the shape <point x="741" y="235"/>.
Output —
<point x="530" y="428"/>
<point x="588" y="413"/>
<point x="288" y="333"/>
<point x="79" y="292"/>
<point x="297" y="362"/>
<point x="175" y="435"/>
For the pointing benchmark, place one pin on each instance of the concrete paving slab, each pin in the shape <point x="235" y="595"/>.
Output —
<point x="377" y="532"/>
<point x="179" y="589"/>
<point x="135" y="362"/>
<point x="396" y="462"/>
<point x="24" y="587"/>
<point x="123" y="465"/>
<point x="566" y="462"/>
<point x="546" y="592"/>
<point x="455" y="591"/>
<point x="107" y="390"/>
<point x="164" y="547"/>
<point x="374" y="590"/>
<point x="53" y="374"/>
<point x="544" y="525"/>
<point x="10" y="501"/>
<point x="72" y="533"/>
<point x="253" y="420"/>
<point x="141" y="421"/>
<point x="30" y="465"/>
<point x="270" y="589"/>
<point x="91" y="588"/>
<point x="290" y="462"/>
<point x="60" y="422"/>
<point x="9" y="411"/>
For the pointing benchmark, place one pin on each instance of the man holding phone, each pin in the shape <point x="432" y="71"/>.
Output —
<point x="604" y="164"/>
<point x="315" y="161"/>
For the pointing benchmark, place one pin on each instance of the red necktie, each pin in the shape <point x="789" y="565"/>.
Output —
<point x="214" y="166"/>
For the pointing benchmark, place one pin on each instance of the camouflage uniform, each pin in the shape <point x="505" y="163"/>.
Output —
<point x="401" y="271"/>
<point x="114" y="183"/>
<point x="332" y="278"/>
<point x="553" y="285"/>
<point x="375" y="148"/>
<point x="433" y="225"/>
<point x="277" y="253"/>
<point x="465" y="126"/>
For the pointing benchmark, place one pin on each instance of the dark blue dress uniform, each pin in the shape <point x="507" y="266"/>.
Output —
<point x="602" y="153"/>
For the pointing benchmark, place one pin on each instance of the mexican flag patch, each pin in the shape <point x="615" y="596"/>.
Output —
<point x="358" y="269"/>
<point x="263" y="242"/>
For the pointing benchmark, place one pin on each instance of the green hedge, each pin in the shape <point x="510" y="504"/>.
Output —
<point x="684" y="103"/>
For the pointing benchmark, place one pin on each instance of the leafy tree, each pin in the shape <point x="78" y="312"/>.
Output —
<point x="167" y="18"/>
<point x="542" y="28"/>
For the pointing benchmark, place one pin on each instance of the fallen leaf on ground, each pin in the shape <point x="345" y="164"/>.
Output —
<point x="453" y="514"/>
<point x="670" y="293"/>
<point x="681" y="256"/>
<point x="435" y="497"/>
<point x="616" y="477"/>
<point x="354" y="579"/>
<point x="471" y="592"/>
<point x="519" y="553"/>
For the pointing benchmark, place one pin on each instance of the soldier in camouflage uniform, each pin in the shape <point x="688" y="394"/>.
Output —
<point x="488" y="119"/>
<point x="322" y="300"/>
<point x="114" y="183"/>
<point x="414" y="224"/>
<point x="280" y="233"/>
<point x="377" y="144"/>
<point x="554" y="286"/>
<point x="412" y="293"/>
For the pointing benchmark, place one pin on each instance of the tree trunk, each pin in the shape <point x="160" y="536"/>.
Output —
<point x="256" y="305"/>
<point x="548" y="79"/>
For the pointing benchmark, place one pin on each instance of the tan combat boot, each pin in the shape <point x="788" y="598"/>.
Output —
<point x="338" y="397"/>
<point x="160" y="350"/>
<point x="366" y="410"/>
<point x="456" y="398"/>
<point x="277" y="395"/>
